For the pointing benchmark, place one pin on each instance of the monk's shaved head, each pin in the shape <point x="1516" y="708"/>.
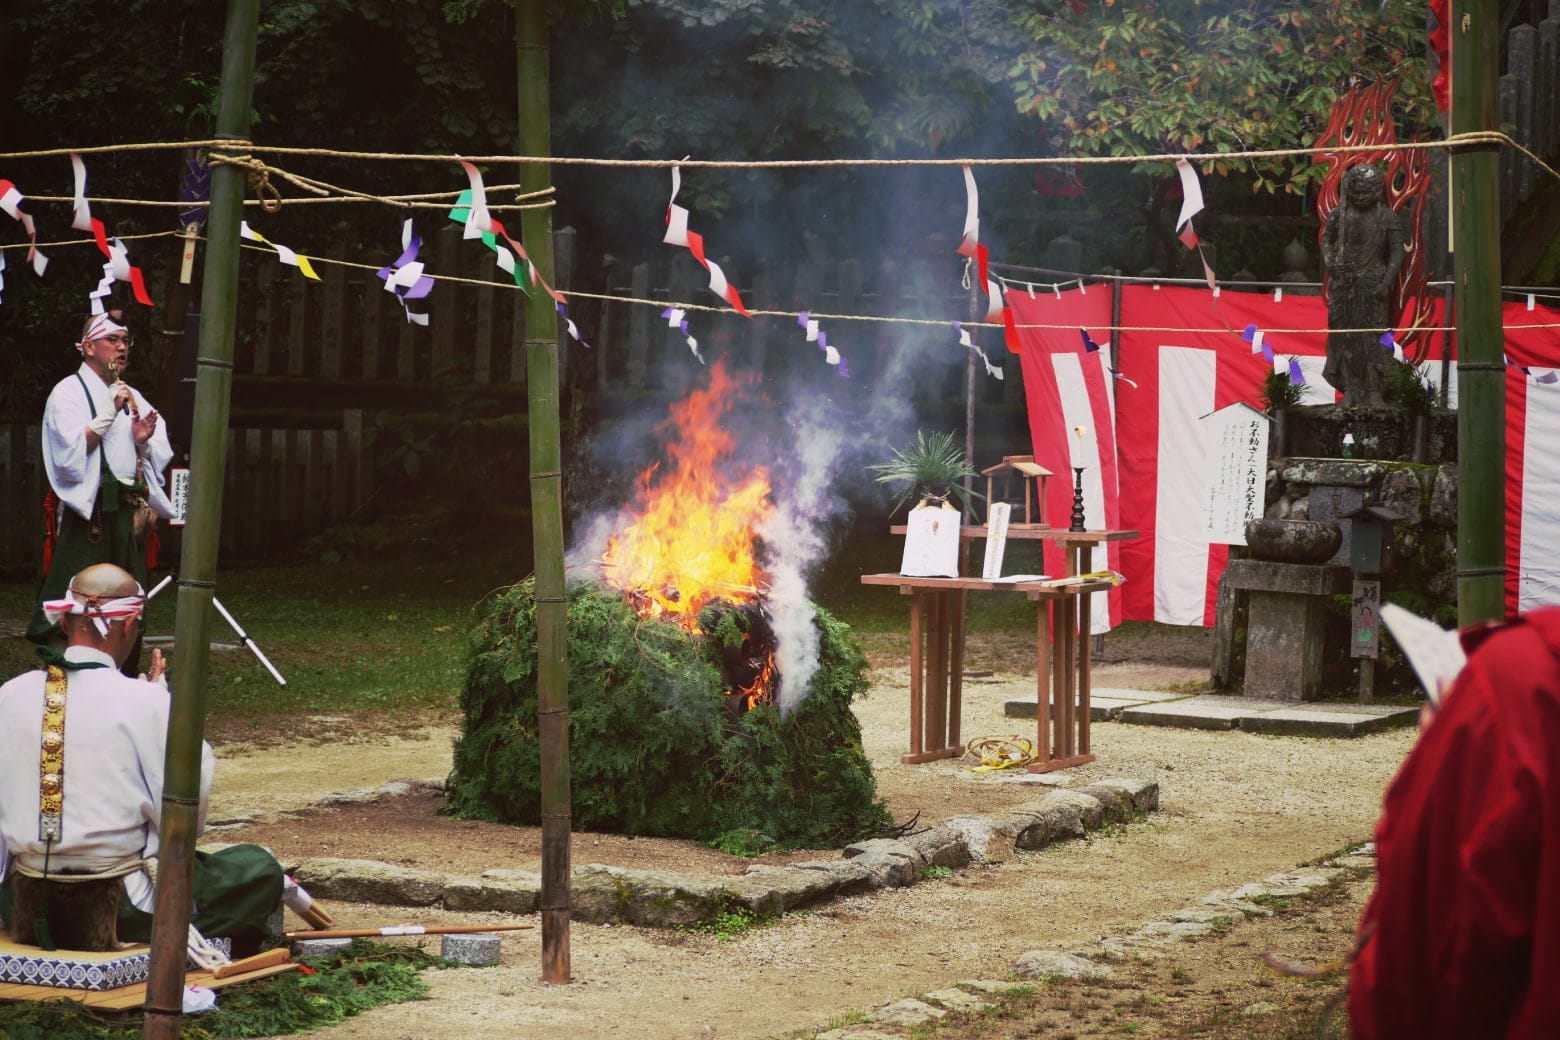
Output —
<point x="104" y="581"/>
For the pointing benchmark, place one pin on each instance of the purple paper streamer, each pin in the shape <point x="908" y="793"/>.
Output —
<point x="1089" y="346"/>
<point x="1267" y="352"/>
<point x="823" y="340"/>
<point x="1250" y="333"/>
<point x="1296" y="376"/>
<point x="801" y="319"/>
<point x="844" y="368"/>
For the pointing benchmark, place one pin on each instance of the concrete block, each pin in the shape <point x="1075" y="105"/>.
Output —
<point x="321" y="947"/>
<point x="474" y="950"/>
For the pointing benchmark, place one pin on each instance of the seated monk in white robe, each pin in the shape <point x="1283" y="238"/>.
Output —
<point x="82" y="749"/>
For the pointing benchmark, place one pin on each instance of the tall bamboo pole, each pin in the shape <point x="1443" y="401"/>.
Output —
<point x="198" y="557"/>
<point x="541" y="375"/>
<point x="1481" y="370"/>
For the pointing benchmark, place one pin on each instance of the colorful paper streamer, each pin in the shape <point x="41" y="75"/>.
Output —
<point x="11" y="199"/>
<point x="679" y="234"/>
<point x="405" y="278"/>
<point x="287" y="256"/>
<point x="970" y="246"/>
<point x="118" y="266"/>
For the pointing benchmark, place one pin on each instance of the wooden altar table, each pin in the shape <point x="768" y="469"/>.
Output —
<point x="1062" y="652"/>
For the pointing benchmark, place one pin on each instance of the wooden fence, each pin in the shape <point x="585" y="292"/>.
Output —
<point x="345" y="340"/>
<point x="280" y="487"/>
<point x="1529" y="100"/>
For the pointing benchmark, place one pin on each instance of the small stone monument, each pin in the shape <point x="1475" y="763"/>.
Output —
<point x="1288" y="582"/>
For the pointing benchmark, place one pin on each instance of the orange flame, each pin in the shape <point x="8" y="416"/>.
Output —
<point x="694" y="536"/>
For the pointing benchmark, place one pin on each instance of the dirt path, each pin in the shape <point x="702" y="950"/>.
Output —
<point x="1234" y="808"/>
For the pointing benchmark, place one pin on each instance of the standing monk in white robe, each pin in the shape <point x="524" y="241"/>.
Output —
<point x="104" y="449"/>
<point x="81" y="776"/>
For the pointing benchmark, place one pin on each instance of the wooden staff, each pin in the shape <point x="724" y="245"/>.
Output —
<point x="268" y="959"/>
<point x="402" y="929"/>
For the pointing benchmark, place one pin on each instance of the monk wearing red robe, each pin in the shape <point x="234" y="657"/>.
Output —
<point x="1462" y="935"/>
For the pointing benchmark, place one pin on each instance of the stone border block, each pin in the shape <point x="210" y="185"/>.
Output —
<point x="368" y="881"/>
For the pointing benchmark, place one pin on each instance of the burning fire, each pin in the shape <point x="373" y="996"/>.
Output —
<point x="693" y="534"/>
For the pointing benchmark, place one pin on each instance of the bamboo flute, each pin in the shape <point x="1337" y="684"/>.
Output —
<point x="402" y="929"/>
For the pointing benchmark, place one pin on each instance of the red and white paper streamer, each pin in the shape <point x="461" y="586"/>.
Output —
<point x="970" y="246"/>
<point x="679" y="234"/>
<point x="118" y="266"/>
<point x="11" y="199"/>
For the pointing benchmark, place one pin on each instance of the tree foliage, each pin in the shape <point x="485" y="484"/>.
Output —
<point x="1127" y="79"/>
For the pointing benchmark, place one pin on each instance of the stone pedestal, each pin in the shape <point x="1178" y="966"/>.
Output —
<point x="1284" y="627"/>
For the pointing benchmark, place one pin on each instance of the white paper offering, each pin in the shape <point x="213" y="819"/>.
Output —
<point x="996" y="540"/>
<point x="931" y="542"/>
<point x="1435" y="653"/>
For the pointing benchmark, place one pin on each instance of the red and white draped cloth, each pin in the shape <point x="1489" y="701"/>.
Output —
<point x="1195" y="357"/>
<point x="1172" y="569"/>
<point x="1069" y="387"/>
<point x="1532" y="457"/>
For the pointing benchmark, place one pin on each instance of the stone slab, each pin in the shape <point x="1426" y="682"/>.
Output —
<point x="1213" y="711"/>
<point x="1305" y="579"/>
<point x="1188" y="713"/>
<point x="1330" y="720"/>
<point x="1104" y="704"/>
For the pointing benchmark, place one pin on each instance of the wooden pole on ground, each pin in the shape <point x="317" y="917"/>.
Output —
<point x="541" y="375"/>
<point x="164" y="1006"/>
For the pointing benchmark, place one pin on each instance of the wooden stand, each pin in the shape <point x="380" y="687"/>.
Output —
<point x="936" y="662"/>
<point x="1062" y="652"/>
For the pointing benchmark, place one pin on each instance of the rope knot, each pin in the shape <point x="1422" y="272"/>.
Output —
<point x="258" y="176"/>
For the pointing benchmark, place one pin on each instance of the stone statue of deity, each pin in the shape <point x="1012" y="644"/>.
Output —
<point x="1363" y="246"/>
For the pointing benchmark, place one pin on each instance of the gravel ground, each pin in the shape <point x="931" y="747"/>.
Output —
<point x="1235" y="807"/>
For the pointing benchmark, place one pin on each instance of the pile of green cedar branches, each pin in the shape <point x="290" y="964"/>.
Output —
<point x="323" y="991"/>
<point x="653" y="748"/>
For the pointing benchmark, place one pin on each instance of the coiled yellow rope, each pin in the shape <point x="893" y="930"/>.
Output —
<point x="999" y="752"/>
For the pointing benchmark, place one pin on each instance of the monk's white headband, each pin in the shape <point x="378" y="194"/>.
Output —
<point x="103" y="612"/>
<point x="102" y="325"/>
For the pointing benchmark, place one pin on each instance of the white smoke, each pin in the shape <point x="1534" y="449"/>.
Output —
<point x="796" y="538"/>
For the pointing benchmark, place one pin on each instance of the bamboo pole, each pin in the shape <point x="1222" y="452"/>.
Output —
<point x="1481" y="371"/>
<point x="198" y="559"/>
<point x="541" y="373"/>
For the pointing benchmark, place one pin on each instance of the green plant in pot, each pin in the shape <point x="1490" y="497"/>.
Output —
<point x="1408" y="388"/>
<point x="932" y="467"/>
<point x="1279" y="395"/>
